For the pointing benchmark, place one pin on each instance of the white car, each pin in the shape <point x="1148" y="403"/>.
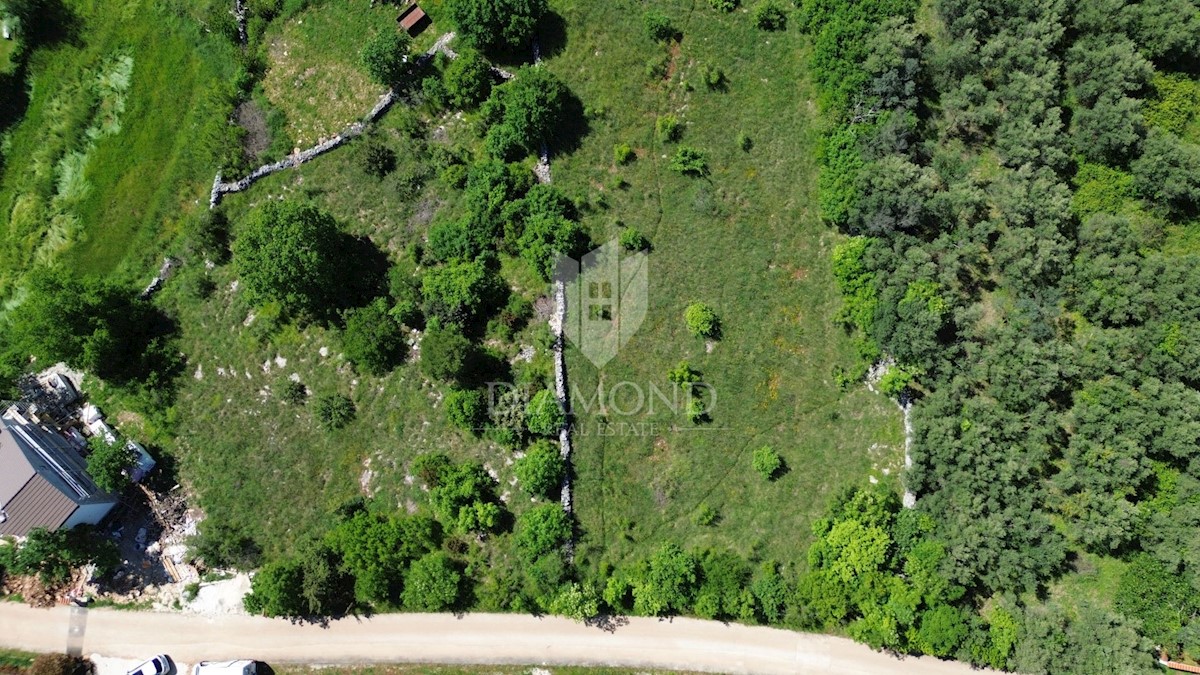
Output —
<point x="240" y="667"/>
<point x="159" y="665"/>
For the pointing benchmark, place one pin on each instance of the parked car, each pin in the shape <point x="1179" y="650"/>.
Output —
<point x="239" y="667"/>
<point x="159" y="665"/>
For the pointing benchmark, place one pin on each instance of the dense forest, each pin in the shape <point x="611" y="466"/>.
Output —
<point x="1013" y="180"/>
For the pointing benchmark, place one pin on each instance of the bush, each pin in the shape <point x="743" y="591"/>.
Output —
<point x="745" y="142"/>
<point x="108" y="464"/>
<point x="385" y="57"/>
<point x="705" y="516"/>
<point x="684" y="375"/>
<point x="769" y="15"/>
<point x="544" y="416"/>
<point x="466" y="409"/>
<point x="335" y="411"/>
<point x="432" y="584"/>
<point x="767" y="462"/>
<point x="542" y="529"/>
<point x="714" y="78"/>
<point x="622" y="153"/>
<point x="468" y="79"/>
<point x="657" y="26"/>
<point x="667" y="128"/>
<point x="724" y="5"/>
<point x="373" y="340"/>
<point x="459" y="291"/>
<point x="293" y="392"/>
<point x="702" y="320"/>
<point x="542" y="469"/>
<point x="546" y="238"/>
<point x="376" y="159"/>
<point x="632" y="239"/>
<point x="444" y="352"/>
<point x="689" y="162"/>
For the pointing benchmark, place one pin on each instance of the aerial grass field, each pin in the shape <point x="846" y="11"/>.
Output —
<point x="745" y="239"/>
<point x="107" y="158"/>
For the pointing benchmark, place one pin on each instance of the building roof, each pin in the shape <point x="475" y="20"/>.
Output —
<point x="42" y="477"/>
<point x="410" y="20"/>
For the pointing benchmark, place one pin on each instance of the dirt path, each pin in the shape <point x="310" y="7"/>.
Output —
<point x="442" y="638"/>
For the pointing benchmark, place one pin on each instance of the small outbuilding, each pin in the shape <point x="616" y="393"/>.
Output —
<point x="413" y="20"/>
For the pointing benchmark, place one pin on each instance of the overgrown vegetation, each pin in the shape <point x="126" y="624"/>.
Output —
<point x="1009" y="175"/>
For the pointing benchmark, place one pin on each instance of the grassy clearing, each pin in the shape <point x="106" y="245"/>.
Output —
<point x="109" y="154"/>
<point x="266" y="467"/>
<point x="315" y="76"/>
<point x="746" y="240"/>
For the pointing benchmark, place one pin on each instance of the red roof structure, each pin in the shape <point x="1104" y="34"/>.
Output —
<point x="413" y="20"/>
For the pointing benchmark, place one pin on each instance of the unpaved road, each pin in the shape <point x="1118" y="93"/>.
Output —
<point x="683" y="644"/>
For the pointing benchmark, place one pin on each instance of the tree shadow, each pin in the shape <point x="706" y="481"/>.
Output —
<point x="552" y="35"/>
<point x="363" y="275"/>
<point x="569" y="135"/>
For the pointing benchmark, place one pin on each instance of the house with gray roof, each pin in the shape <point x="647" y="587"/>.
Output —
<point x="43" y="478"/>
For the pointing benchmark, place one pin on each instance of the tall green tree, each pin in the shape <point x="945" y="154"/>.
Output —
<point x="497" y="24"/>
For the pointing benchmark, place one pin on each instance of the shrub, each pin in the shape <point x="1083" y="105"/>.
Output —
<point x="724" y="5"/>
<point x="444" y="351"/>
<point x="767" y="462"/>
<point x="656" y="66"/>
<point x="385" y="56"/>
<point x="373" y="340"/>
<point x="542" y="469"/>
<point x="335" y="411"/>
<point x="702" y="320"/>
<point x="468" y="79"/>
<point x="696" y="412"/>
<point x="705" y="515"/>
<point x="543" y="415"/>
<point x="689" y="162"/>
<point x="769" y="15"/>
<point x="108" y="463"/>
<point x="895" y="381"/>
<point x="432" y="584"/>
<point x="542" y="529"/>
<point x="293" y="392"/>
<point x="454" y="176"/>
<point x="683" y="375"/>
<point x="546" y="237"/>
<point x="466" y="409"/>
<point x="632" y="239"/>
<point x="745" y="142"/>
<point x="622" y="153"/>
<point x="714" y="78"/>
<point x="667" y="128"/>
<point x="657" y="26"/>
<point x="458" y="291"/>
<point x="376" y="159"/>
